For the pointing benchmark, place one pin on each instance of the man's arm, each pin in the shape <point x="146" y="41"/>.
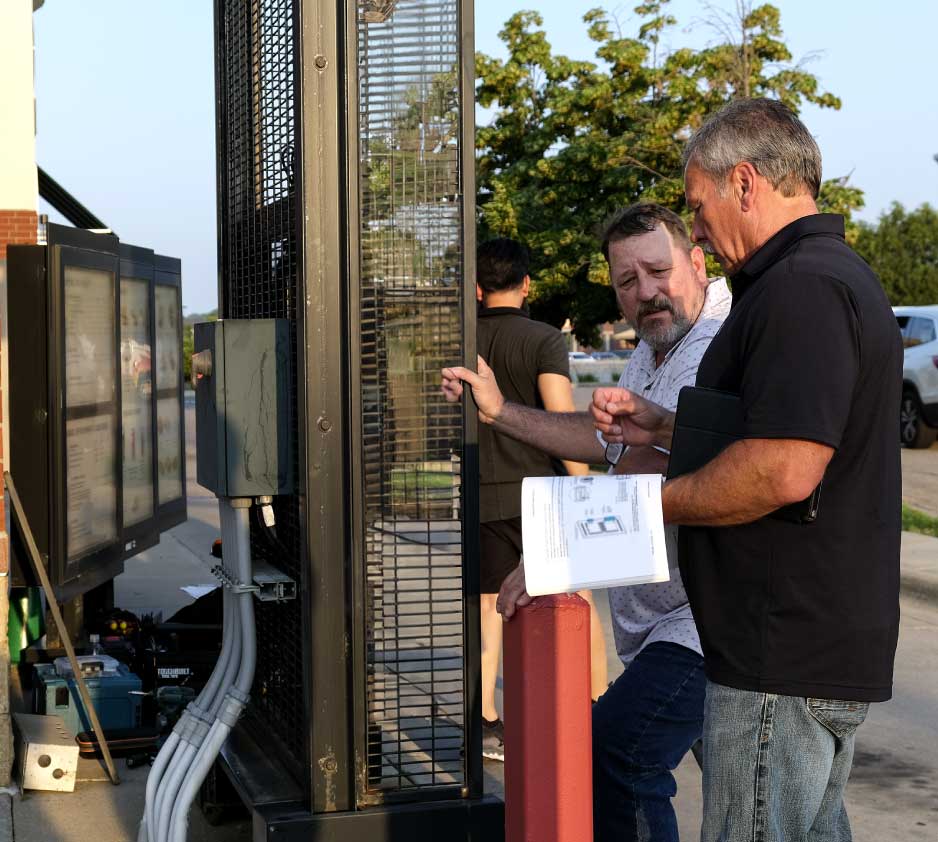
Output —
<point x="556" y="393"/>
<point x="563" y="435"/>
<point x="747" y="481"/>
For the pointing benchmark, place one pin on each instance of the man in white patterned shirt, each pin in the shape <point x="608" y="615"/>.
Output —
<point x="653" y="713"/>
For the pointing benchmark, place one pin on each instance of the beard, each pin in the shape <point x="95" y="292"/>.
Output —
<point x="663" y="337"/>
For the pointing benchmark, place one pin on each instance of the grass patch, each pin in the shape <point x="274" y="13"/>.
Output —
<point x="587" y="378"/>
<point x="408" y="478"/>
<point x="915" y="521"/>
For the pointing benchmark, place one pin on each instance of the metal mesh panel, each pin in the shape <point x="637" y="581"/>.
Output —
<point x="411" y="325"/>
<point x="256" y="64"/>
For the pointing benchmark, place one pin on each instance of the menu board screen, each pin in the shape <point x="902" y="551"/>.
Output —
<point x="169" y="446"/>
<point x="90" y="387"/>
<point x="91" y="494"/>
<point x="169" y="449"/>
<point x="90" y="375"/>
<point x="167" y="337"/>
<point x="137" y="396"/>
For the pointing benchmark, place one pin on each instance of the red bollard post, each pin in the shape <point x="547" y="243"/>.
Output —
<point x="548" y="722"/>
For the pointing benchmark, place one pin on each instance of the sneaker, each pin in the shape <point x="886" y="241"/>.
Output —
<point x="493" y="740"/>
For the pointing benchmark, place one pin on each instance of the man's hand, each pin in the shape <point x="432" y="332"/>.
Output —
<point x="513" y="593"/>
<point x="485" y="392"/>
<point x="626" y="418"/>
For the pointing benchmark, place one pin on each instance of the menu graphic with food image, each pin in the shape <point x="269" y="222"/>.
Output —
<point x="137" y="396"/>
<point x="167" y="338"/>
<point x="89" y="337"/>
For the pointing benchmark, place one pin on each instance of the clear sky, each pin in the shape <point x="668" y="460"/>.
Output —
<point x="125" y="104"/>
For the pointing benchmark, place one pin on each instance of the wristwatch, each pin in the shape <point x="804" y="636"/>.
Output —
<point x="614" y="452"/>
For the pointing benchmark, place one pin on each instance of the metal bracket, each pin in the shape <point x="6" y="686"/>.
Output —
<point x="272" y="584"/>
<point x="230" y="582"/>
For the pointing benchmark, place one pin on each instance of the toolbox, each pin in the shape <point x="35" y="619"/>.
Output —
<point x="115" y="698"/>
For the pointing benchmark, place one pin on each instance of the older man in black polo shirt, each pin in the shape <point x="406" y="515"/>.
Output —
<point x="798" y="621"/>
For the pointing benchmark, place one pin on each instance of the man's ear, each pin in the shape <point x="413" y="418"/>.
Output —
<point x="745" y="180"/>
<point x="526" y="285"/>
<point x="479" y="293"/>
<point x="699" y="261"/>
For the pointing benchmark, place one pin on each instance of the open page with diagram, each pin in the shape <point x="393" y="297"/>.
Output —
<point x="592" y="532"/>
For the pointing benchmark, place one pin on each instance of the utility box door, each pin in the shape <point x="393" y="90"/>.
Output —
<point x="242" y="398"/>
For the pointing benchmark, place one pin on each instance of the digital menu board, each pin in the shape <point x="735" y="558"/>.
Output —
<point x="83" y="365"/>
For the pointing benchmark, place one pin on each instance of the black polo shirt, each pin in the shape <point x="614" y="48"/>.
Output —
<point x="518" y="349"/>
<point x="813" y="349"/>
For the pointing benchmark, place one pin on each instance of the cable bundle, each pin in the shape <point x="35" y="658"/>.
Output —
<point x="198" y="736"/>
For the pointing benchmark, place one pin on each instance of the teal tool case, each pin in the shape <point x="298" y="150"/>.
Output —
<point x="114" y="701"/>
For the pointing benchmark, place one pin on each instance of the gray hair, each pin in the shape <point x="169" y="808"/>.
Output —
<point x="761" y="132"/>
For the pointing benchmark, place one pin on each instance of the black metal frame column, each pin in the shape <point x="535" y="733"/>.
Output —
<point x="367" y="692"/>
<point x="470" y="460"/>
<point x="323" y="176"/>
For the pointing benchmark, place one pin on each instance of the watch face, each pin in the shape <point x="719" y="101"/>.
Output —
<point x="614" y="453"/>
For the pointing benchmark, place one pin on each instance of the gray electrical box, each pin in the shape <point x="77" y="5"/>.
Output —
<point x="241" y="374"/>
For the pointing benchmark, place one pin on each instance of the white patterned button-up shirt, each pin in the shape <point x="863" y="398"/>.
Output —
<point x="644" y="614"/>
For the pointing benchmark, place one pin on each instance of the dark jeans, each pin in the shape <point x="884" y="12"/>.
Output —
<point x="642" y="727"/>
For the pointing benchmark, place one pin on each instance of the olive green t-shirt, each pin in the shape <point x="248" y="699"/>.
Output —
<point x="518" y="349"/>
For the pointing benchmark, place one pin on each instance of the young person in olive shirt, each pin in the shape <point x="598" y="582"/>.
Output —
<point x="531" y="363"/>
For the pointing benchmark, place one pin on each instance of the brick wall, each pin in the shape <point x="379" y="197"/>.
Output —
<point x="16" y="226"/>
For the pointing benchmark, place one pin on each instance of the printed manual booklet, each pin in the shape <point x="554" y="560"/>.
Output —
<point x="592" y="532"/>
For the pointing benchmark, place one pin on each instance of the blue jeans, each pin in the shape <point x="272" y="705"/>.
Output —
<point x="775" y="767"/>
<point x="642" y="727"/>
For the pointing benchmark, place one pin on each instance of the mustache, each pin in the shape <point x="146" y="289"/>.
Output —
<point x="657" y="304"/>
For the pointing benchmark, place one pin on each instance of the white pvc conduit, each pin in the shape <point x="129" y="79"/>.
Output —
<point x="198" y="736"/>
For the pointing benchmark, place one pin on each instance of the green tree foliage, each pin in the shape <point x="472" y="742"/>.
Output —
<point x="838" y="196"/>
<point x="188" y="348"/>
<point x="902" y="248"/>
<point x="570" y="141"/>
<point x="188" y="341"/>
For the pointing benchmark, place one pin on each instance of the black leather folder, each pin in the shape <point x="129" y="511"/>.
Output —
<point x="707" y="422"/>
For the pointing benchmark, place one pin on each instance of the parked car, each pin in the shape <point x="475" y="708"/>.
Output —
<point x="580" y="357"/>
<point x="604" y="355"/>
<point x="918" y="413"/>
<point x="624" y="354"/>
